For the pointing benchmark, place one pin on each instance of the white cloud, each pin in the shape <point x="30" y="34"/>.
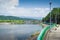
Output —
<point x="8" y="7"/>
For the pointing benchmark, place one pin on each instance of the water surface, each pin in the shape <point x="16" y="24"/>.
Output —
<point x="18" y="32"/>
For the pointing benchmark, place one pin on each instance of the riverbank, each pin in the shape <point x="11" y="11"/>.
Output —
<point x="44" y="25"/>
<point x="35" y="35"/>
<point x="5" y="23"/>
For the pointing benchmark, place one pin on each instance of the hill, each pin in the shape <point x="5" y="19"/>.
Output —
<point x="18" y="20"/>
<point x="2" y="17"/>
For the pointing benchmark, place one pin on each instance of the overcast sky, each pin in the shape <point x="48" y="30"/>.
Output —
<point x="26" y="8"/>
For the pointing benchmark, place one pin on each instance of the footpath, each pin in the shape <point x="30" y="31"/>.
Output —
<point x="53" y="34"/>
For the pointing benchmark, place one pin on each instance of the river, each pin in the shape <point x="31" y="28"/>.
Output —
<point x="18" y="32"/>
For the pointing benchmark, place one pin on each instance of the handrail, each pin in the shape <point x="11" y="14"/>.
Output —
<point x="44" y="31"/>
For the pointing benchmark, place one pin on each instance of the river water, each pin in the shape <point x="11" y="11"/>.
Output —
<point x="18" y="32"/>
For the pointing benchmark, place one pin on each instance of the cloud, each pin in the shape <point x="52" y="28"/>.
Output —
<point x="8" y="7"/>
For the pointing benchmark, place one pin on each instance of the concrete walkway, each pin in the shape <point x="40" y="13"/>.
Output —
<point x="54" y="34"/>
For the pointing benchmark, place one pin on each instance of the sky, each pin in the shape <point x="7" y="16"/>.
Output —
<point x="27" y="8"/>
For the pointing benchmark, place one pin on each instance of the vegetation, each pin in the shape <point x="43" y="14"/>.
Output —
<point x="34" y="36"/>
<point x="12" y="21"/>
<point x="55" y="15"/>
<point x="16" y="20"/>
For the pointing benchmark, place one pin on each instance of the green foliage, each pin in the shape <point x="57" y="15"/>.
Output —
<point x="17" y="20"/>
<point x="13" y="21"/>
<point x="55" y="15"/>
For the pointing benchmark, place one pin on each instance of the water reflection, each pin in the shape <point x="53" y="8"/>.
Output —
<point x="17" y="32"/>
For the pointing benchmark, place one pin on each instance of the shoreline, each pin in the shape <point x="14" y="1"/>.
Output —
<point x="5" y="23"/>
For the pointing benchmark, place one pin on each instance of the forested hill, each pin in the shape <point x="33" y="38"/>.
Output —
<point x="55" y="15"/>
<point x="2" y="17"/>
<point x="18" y="20"/>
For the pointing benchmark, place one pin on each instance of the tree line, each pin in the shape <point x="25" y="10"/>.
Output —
<point x="55" y="16"/>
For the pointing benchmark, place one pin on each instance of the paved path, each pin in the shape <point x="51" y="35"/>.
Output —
<point x="54" y="34"/>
